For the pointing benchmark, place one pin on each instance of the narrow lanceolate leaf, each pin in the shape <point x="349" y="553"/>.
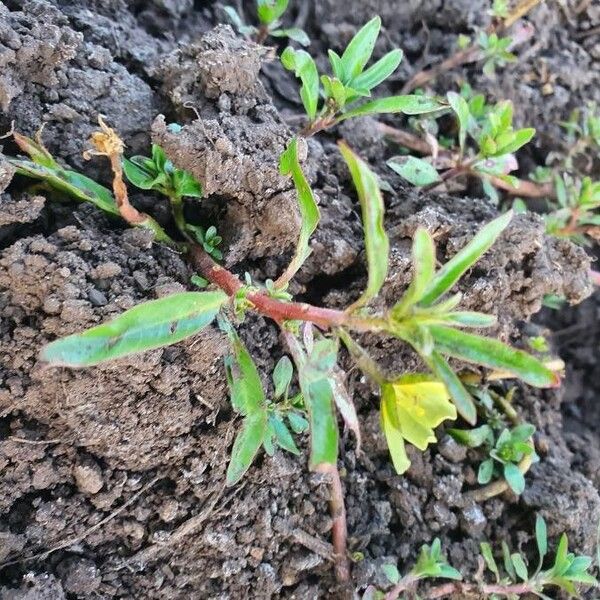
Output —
<point x="378" y="72"/>
<point x="305" y="68"/>
<point x="315" y="377"/>
<point x="491" y="353"/>
<point x="248" y="398"/>
<point x="309" y="211"/>
<point x="469" y="319"/>
<point x="359" y="50"/>
<point x="464" y="259"/>
<point x="461" y="398"/>
<point x="247" y="443"/>
<point x="147" y="326"/>
<point x="377" y="245"/>
<point x="71" y="183"/>
<point x="409" y="105"/>
<point x="461" y="108"/>
<point x="423" y="258"/>
<point x="518" y="139"/>
<point x="415" y="170"/>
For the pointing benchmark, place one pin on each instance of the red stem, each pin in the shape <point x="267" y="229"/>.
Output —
<point x="277" y="310"/>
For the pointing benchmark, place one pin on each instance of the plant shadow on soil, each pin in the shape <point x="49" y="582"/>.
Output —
<point x="77" y="447"/>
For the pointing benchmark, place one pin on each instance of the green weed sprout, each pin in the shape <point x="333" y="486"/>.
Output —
<point x="516" y="579"/>
<point x="269" y="14"/>
<point x="505" y="452"/>
<point x="495" y="51"/>
<point x="350" y="82"/>
<point x="576" y="210"/>
<point x="486" y="145"/>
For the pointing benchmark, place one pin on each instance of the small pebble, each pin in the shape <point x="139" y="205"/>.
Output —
<point x="97" y="298"/>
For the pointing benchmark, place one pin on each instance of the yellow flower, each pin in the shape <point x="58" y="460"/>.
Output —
<point x="410" y="409"/>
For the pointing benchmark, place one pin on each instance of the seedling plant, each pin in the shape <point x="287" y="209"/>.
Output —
<point x="514" y="579"/>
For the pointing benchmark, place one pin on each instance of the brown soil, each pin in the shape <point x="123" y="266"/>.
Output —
<point x="112" y="477"/>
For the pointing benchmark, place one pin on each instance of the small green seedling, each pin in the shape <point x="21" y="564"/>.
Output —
<point x="431" y="564"/>
<point x="514" y="579"/>
<point x="495" y="52"/>
<point x="505" y="453"/>
<point x="576" y="216"/>
<point x="490" y="155"/>
<point x="566" y="572"/>
<point x="351" y="81"/>
<point x="269" y="13"/>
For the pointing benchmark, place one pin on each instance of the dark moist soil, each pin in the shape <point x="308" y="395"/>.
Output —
<point x="112" y="477"/>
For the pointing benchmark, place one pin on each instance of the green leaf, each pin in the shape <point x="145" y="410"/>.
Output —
<point x="508" y="565"/>
<point x="269" y="11"/>
<point x="336" y="65"/>
<point x="488" y="557"/>
<point x="185" y="184"/>
<point x="472" y="438"/>
<point x="314" y="375"/>
<point x="234" y="17"/>
<point x="282" y="434"/>
<point x="305" y="68"/>
<point x="464" y="259"/>
<point x="423" y="258"/>
<point x="137" y="175"/>
<point x="309" y="211"/>
<point x="415" y="170"/>
<point x="359" y="50"/>
<point x="461" y="108"/>
<point x="518" y="139"/>
<point x="541" y="537"/>
<point x="323" y="428"/>
<point x="409" y="105"/>
<point x="147" y="326"/>
<point x="485" y="472"/>
<point x="520" y="566"/>
<point x="69" y="182"/>
<point x="246" y="445"/>
<point x="377" y="245"/>
<point x="379" y="71"/>
<point x="491" y="353"/>
<point x="469" y="319"/>
<point x="282" y="376"/>
<point x="514" y="478"/>
<point x="391" y="572"/>
<point x="293" y="33"/>
<point x="297" y="422"/>
<point x="461" y="398"/>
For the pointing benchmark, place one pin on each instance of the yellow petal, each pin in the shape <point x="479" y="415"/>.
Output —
<point x="393" y="436"/>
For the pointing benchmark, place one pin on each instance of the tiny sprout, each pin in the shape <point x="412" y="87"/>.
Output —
<point x="269" y="13"/>
<point x="208" y="239"/>
<point x="495" y="52"/>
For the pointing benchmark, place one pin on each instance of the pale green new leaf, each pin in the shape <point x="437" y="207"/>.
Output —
<point x="518" y="139"/>
<point x="359" y="50"/>
<point x="293" y="33"/>
<point x="410" y="104"/>
<point x="491" y="353"/>
<point x="464" y="259"/>
<point x="377" y="245"/>
<point x="269" y="11"/>
<point x="305" y="68"/>
<point x="423" y="258"/>
<point x="461" y="398"/>
<point x="147" y="326"/>
<point x="415" y="170"/>
<point x="309" y="211"/>
<point x="461" y="108"/>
